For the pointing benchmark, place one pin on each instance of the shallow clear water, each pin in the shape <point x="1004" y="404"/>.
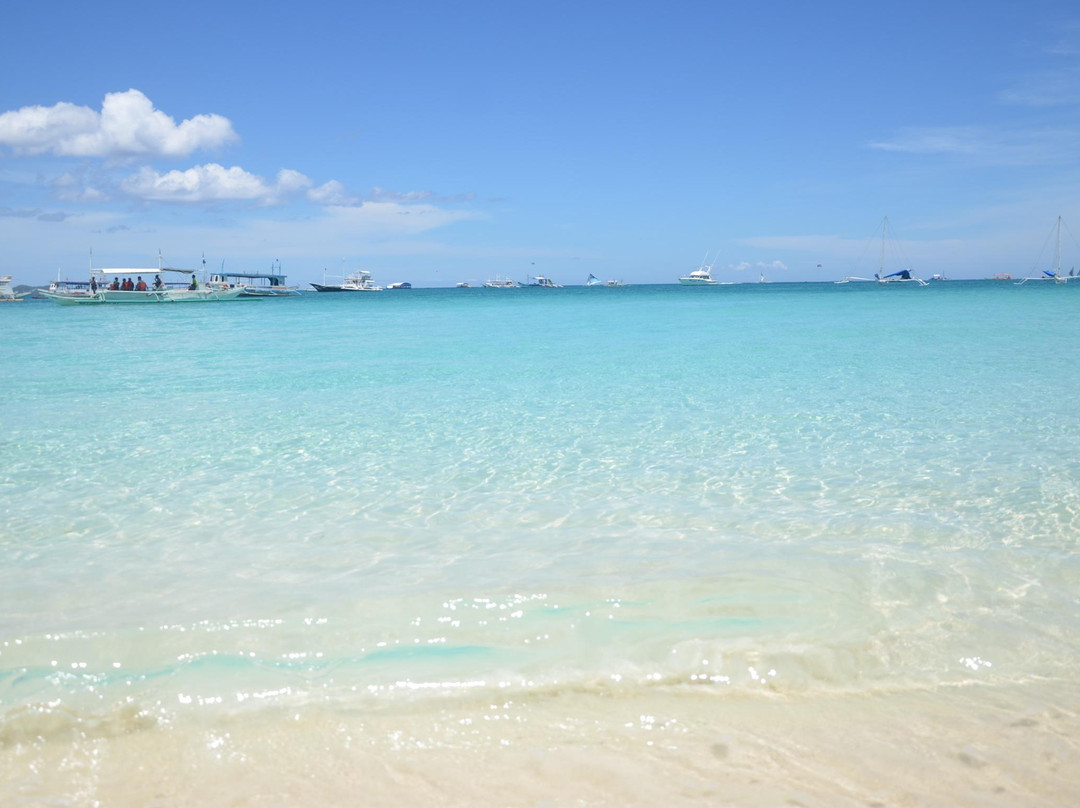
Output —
<point x="525" y="528"/>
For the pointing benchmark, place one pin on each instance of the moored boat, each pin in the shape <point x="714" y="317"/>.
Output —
<point x="128" y="286"/>
<point x="541" y="282"/>
<point x="359" y="281"/>
<point x="500" y="282"/>
<point x="255" y="284"/>
<point x="1054" y="273"/>
<point x="7" y="293"/>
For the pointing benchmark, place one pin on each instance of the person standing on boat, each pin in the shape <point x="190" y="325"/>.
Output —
<point x="158" y="285"/>
<point x="93" y="284"/>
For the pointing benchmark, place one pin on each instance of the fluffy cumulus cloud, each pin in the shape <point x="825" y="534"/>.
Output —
<point x="213" y="183"/>
<point x="332" y="193"/>
<point x="128" y="125"/>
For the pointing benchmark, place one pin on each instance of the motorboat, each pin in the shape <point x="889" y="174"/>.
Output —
<point x="702" y="276"/>
<point x="255" y="284"/>
<point x="464" y="285"/>
<point x="132" y="286"/>
<point x="500" y="282"/>
<point x="359" y="281"/>
<point x="400" y="285"/>
<point x="7" y="293"/>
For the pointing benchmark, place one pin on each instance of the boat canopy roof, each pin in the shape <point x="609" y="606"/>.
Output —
<point x="275" y="279"/>
<point x="141" y="271"/>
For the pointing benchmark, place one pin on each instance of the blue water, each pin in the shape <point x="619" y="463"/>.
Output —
<point x="383" y="502"/>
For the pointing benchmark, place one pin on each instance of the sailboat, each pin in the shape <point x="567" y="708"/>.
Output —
<point x="899" y="276"/>
<point x="1054" y="274"/>
<point x="592" y="280"/>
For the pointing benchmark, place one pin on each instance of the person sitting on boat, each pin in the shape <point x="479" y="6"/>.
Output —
<point x="129" y="286"/>
<point x="194" y="284"/>
<point x="158" y="285"/>
<point x="141" y="285"/>
<point x="115" y="285"/>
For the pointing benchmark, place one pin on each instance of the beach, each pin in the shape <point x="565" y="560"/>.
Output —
<point x="743" y="545"/>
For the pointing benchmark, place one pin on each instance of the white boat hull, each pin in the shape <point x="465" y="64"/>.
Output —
<point x="162" y="296"/>
<point x="697" y="282"/>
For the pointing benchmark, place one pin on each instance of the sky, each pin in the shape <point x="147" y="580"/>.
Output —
<point x="444" y="142"/>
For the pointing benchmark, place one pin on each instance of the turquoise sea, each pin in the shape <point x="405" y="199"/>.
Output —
<point x="770" y="544"/>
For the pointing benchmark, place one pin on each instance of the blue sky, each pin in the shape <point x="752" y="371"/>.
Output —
<point x="438" y="142"/>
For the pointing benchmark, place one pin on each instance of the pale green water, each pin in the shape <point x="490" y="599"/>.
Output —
<point x="389" y="513"/>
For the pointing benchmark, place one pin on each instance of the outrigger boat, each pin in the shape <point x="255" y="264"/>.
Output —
<point x="541" y="282"/>
<point x="880" y="277"/>
<point x="592" y="280"/>
<point x="104" y="287"/>
<point x="255" y="284"/>
<point x="1054" y="273"/>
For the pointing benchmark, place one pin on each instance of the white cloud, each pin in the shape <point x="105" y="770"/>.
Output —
<point x="289" y="181"/>
<point x="942" y="140"/>
<point x="1015" y="146"/>
<point x="391" y="219"/>
<point x="332" y="193"/>
<point x="128" y="125"/>
<point x="212" y="183"/>
<point x="1051" y="88"/>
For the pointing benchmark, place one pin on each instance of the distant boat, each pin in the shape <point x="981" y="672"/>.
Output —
<point x="255" y="284"/>
<point x="500" y="282"/>
<point x="7" y="293"/>
<point x="592" y="280"/>
<point x="899" y="276"/>
<point x="359" y="281"/>
<point x="400" y="285"/>
<point x="1054" y="273"/>
<point x="464" y="285"/>
<point x="702" y="276"/>
<point x="541" y="282"/>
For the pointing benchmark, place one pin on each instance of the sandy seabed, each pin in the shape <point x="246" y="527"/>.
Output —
<point x="975" y="745"/>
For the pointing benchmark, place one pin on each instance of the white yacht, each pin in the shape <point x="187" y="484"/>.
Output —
<point x="702" y="276"/>
<point x="359" y="281"/>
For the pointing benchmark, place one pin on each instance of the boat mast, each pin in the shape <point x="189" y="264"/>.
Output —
<point x="881" y="262"/>
<point x="1057" y="251"/>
